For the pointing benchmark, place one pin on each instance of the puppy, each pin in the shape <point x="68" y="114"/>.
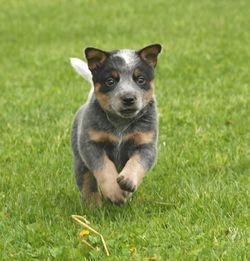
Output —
<point x="114" y="134"/>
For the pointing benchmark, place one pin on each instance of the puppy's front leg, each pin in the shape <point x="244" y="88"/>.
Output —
<point x="103" y="169"/>
<point x="136" y="168"/>
<point x="106" y="178"/>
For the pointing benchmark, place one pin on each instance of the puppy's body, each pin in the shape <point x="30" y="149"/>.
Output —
<point x="114" y="135"/>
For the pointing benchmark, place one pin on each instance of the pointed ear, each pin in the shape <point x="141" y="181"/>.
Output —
<point x="95" y="57"/>
<point x="150" y="53"/>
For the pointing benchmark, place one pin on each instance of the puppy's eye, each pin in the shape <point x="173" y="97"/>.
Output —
<point x="110" y="82"/>
<point x="140" y="80"/>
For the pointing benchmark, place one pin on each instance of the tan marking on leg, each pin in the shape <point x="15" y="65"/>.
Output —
<point x="92" y="198"/>
<point x="140" y="137"/>
<point x="101" y="136"/>
<point x="102" y="98"/>
<point x="106" y="178"/>
<point x="132" y="174"/>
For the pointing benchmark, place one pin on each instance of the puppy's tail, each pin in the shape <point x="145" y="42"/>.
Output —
<point x="82" y="68"/>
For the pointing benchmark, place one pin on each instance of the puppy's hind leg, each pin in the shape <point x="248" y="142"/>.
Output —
<point x="87" y="184"/>
<point x="90" y="191"/>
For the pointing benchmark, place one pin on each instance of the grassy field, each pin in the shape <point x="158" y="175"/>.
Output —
<point x="195" y="203"/>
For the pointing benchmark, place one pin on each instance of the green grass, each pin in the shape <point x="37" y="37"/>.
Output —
<point x="195" y="203"/>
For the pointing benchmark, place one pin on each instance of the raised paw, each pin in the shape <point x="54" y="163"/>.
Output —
<point x="126" y="183"/>
<point x="118" y="198"/>
<point x="113" y="192"/>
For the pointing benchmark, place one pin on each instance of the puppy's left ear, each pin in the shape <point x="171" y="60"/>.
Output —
<point x="150" y="53"/>
<point x="95" y="57"/>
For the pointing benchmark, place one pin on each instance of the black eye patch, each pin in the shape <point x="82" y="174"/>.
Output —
<point x="110" y="76"/>
<point x="108" y="79"/>
<point x="141" y="79"/>
<point x="110" y="82"/>
<point x="144" y="70"/>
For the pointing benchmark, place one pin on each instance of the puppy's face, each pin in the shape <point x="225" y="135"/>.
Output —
<point x="123" y="79"/>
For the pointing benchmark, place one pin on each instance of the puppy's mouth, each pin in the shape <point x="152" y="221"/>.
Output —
<point x="128" y="113"/>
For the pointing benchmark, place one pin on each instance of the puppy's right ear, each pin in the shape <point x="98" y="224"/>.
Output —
<point x="150" y="53"/>
<point x="95" y="57"/>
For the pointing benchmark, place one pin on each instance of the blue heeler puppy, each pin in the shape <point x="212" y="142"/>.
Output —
<point x="114" y="134"/>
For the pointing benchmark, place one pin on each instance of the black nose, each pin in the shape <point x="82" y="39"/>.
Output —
<point x="128" y="100"/>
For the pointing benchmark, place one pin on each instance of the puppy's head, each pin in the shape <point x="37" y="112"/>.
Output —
<point x="123" y="79"/>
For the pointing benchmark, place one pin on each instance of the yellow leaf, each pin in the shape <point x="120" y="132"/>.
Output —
<point x="132" y="250"/>
<point x="84" y="233"/>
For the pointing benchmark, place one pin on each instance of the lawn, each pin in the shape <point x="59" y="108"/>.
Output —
<point x="195" y="203"/>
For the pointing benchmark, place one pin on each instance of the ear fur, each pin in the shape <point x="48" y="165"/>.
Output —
<point x="95" y="57"/>
<point x="150" y="53"/>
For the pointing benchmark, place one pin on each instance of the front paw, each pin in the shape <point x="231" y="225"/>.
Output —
<point x="126" y="183"/>
<point x="114" y="193"/>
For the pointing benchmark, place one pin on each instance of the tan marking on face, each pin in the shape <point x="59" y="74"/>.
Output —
<point x="101" y="136"/>
<point x="137" y="72"/>
<point x="106" y="178"/>
<point x="149" y="93"/>
<point x="140" y="137"/>
<point x="92" y="198"/>
<point x="102" y="98"/>
<point x="133" y="170"/>
<point x="114" y="74"/>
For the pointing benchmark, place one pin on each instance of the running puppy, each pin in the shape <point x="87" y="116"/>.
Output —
<point x="114" y="134"/>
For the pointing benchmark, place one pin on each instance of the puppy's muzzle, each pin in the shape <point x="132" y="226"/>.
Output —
<point x="129" y="106"/>
<point x="128" y="100"/>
